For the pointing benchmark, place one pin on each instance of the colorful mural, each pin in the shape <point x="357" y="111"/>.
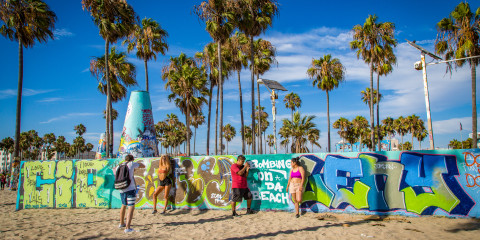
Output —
<point x="102" y="147"/>
<point x="138" y="135"/>
<point x="411" y="183"/>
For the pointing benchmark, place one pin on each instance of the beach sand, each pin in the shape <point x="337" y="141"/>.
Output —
<point x="216" y="224"/>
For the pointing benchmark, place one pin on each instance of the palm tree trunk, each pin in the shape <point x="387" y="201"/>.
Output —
<point x="378" y="120"/>
<point x="209" y="115"/>
<point x="19" y="101"/>
<point x="328" y="122"/>
<point x="146" y="75"/>
<point x="241" y="112"/>
<point x="372" y="124"/>
<point x="220" y="77"/>
<point x="111" y="127"/>
<point x="252" y="69"/>
<point x="216" y="124"/>
<point x="107" y="118"/>
<point x="187" y="122"/>
<point x="194" y="140"/>
<point x="474" y="105"/>
<point x="259" y="120"/>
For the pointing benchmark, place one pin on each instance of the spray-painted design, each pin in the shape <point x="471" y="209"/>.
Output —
<point x="138" y="135"/>
<point x="440" y="182"/>
<point x="102" y="147"/>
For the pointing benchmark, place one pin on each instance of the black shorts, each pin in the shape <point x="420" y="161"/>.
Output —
<point x="167" y="181"/>
<point x="239" y="193"/>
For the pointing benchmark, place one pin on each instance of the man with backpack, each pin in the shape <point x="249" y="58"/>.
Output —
<point x="125" y="183"/>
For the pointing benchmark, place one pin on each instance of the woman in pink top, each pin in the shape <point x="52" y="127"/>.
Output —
<point x="295" y="183"/>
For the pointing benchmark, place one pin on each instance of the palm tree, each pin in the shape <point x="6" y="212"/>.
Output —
<point x="115" y="20"/>
<point x="299" y="129"/>
<point x="114" y="114"/>
<point x="370" y="41"/>
<point x="400" y="126"/>
<point x="121" y="75"/>
<point x="48" y="140"/>
<point x="389" y="128"/>
<point x="80" y="129"/>
<point x="360" y="127"/>
<point x="412" y="123"/>
<point x="187" y="82"/>
<point x="292" y="101"/>
<point x="253" y="17"/>
<point x="236" y="45"/>
<point x="270" y="142"/>
<point x="8" y="146"/>
<point x="327" y="73"/>
<point x="344" y="127"/>
<point x="313" y="137"/>
<point x="248" y="136"/>
<point x="26" y="22"/>
<point x="420" y="135"/>
<point x="219" y="24"/>
<point x="366" y="96"/>
<point x="197" y="120"/>
<point x="455" y="144"/>
<point x="149" y="39"/>
<point x="229" y="133"/>
<point x="458" y="37"/>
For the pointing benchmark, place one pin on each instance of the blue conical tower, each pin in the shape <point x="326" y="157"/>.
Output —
<point x="138" y="135"/>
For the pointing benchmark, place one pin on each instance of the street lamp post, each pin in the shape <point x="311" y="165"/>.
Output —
<point x="272" y="86"/>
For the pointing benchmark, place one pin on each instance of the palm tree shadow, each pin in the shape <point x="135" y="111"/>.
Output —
<point x="470" y="226"/>
<point x="201" y="221"/>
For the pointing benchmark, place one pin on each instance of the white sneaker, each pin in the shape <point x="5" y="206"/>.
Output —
<point x="121" y="226"/>
<point x="129" y="230"/>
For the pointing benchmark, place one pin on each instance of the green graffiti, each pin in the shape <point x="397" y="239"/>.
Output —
<point x="64" y="169"/>
<point x="357" y="198"/>
<point x="63" y="193"/>
<point x="441" y="196"/>
<point x="38" y="184"/>
<point x="87" y="182"/>
<point x="319" y="193"/>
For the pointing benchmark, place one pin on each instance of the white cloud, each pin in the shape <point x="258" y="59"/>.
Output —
<point x="452" y="126"/>
<point x="62" y="33"/>
<point x="69" y="116"/>
<point x="50" y="100"/>
<point x="7" y="93"/>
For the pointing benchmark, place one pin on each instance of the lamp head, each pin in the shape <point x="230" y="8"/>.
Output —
<point x="259" y="81"/>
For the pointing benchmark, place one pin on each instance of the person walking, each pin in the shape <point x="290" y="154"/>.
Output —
<point x="128" y="195"/>
<point x="3" y="181"/>
<point x="239" y="172"/>
<point x="164" y="171"/>
<point x="295" y="183"/>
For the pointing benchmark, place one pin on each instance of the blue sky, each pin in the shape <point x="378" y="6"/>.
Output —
<point x="59" y="92"/>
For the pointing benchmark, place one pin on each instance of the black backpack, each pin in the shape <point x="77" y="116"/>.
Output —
<point x="122" y="177"/>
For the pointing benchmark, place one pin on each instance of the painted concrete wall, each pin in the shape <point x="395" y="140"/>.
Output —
<point x="440" y="182"/>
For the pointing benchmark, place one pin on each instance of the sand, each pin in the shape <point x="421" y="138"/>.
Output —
<point x="186" y="224"/>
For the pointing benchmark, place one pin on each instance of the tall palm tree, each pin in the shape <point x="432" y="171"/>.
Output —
<point x="270" y="142"/>
<point x="459" y="37"/>
<point x="148" y="39"/>
<point x="80" y="129"/>
<point x="8" y="146"/>
<point x="421" y="134"/>
<point x="237" y="45"/>
<point x="327" y="73"/>
<point x="186" y="81"/>
<point x="197" y="120"/>
<point x="115" y="20"/>
<point x="360" y="127"/>
<point x="370" y="40"/>
<point x="412" y="123"/>
<point x="292" y="101"/>
<point x="253" y="17"/>
<point x="400" y="126"/>
<point x="248" y="136"/>
<point x="344" y="126"/>
<point x="219" y="21"/>
<point x="389" y="128"/>
<point x="229" y="133"/>
<point x="26" y="22"/>
<point x="121" y="75"/>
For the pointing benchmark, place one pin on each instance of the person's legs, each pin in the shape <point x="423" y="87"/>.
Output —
<point x="155" y="194"/>
<point x="122" y="215"/>
<point x="294" y="198"/>
<point x="234" y="206"/>
<point x="131" y="197"/>
<point x="167" y="192"/>
<point x="129" y="216"/>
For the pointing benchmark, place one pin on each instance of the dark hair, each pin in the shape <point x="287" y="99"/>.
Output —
<point x="241" y="157"/>
<point x="129" y="158"/>
<point x="296" y="160"/>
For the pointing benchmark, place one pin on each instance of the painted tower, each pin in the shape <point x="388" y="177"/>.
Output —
<point x="102" y="147"/>
<point x="138" y="135"/>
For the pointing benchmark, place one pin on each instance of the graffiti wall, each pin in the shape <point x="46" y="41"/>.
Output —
<point x="440" y="182"/>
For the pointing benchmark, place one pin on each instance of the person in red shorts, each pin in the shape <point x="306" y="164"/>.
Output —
<point x="239" y="171"/>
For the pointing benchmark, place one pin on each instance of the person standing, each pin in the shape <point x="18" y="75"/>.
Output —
<point x="129" y="195"/>
<point x="295" y="183"/>
<point x="239" y="172"/>
<point x="164" y="170"/>
<point x="3" y="181"/>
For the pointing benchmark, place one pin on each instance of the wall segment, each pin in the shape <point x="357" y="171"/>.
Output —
<point x="412" y="183"/>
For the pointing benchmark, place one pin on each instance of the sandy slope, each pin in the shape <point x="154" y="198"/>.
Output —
<point x="183" y="224"/>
